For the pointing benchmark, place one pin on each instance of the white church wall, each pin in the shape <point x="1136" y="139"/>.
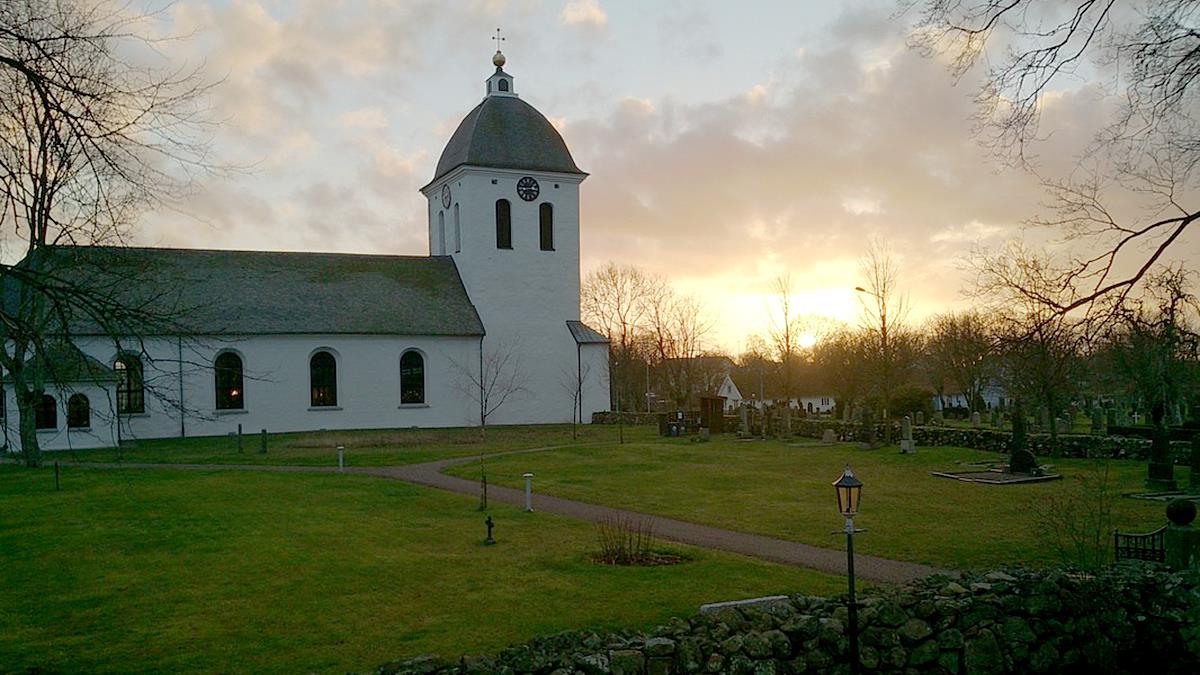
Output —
<point x="594" y="358"/>
<point x="99" y="433"/>
<point x="277" y="388"/>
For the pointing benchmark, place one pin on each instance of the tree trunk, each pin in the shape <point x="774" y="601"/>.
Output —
<point x="26" y="405"/>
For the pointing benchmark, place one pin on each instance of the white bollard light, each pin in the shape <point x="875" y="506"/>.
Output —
<point x="528" y="492"/>
<point x="341" y="458"/>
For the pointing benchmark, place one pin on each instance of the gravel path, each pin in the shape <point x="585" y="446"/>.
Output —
<point x="429" y="474"/>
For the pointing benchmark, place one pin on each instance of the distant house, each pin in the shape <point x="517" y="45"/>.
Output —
<point x="763" y="387"/>
<point x="994" y="395"/>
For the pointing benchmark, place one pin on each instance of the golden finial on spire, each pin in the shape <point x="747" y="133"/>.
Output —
<point x="498" y="58"/>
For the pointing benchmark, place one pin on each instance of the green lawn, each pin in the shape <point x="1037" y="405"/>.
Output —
<point x="367" y="447"/>
<point x="783" y="490"/>
<point x="169" y="571"/>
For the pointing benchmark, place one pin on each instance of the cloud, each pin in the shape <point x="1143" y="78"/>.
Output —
<point x="364" y="118"/>
<point x="586" y="13"/>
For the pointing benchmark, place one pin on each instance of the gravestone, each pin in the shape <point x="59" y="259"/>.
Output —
<point x="1176" y="415"/>
<point x="828" y="437"/>
<point x="1097" y="421"/>
<point x="906" y="437"/>
<point x="1160" y="476"/>
<point x="920" y="421"/>
<point x="976" y="419"/>
<point x="1062" y="426"/>
<point x="992" y="418"/>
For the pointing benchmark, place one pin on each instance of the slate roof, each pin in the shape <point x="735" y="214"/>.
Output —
<point x="68" y="365"/>
<point x="585" y="335"/>
<point x="207" y="292"/>
<point x="504" y="132"/>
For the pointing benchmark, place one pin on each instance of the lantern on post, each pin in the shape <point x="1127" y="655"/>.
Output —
<point x="849" y="491"/>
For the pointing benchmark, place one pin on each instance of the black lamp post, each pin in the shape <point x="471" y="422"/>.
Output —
<point x="849" y="491"/>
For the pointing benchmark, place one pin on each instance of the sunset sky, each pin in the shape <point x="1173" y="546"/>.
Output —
<point x="727" y="142"/>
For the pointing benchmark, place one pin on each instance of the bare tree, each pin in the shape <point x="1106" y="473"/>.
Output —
<point x="785" y="332"/>
<point x="1154" y="348"/>
<point x="88" y="139"/>
<point x="1151" y="56"/>
<point x="961" y="347"/>
<point x="885" y="323"/>
<point x="1041" y="349"/>
<point x="615" y="299"/>
<point x="497" y="379"/>
<point x="572" y="381"/>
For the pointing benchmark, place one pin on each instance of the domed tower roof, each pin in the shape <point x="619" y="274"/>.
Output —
<point x="504" y="132"/>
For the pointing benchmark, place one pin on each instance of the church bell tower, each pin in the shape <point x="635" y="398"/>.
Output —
<point x="504" y="204"/>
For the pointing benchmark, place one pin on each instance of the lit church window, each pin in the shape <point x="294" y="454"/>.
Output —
<point x="322" y="373"/>
<point x="227" y="371"/>
<point x="131" y="388"/>
<point x="412" y="378"/>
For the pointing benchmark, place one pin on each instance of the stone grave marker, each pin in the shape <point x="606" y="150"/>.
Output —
<point x="906" y="436"/>
<point x="976" y="419"/>
<point x="920" y="420"/>
<point x="828" y="437"/>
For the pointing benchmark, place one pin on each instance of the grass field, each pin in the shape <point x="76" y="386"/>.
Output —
<point x="783" y="490"/>
<point x="367" y="447"/>
<point x="174" y="571"/>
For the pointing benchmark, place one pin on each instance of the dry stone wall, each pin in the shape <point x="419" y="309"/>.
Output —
<point x="1070" y="445"/>
<point x="1120" y="620"/>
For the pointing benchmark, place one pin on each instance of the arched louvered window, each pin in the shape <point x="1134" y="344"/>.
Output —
<point x="322" y="373"/>
<point x="441" y="250"/>
<point x="227" y="372"/>
<point x="457" y="232"/>
<point x="79" y="412"/>
<point x="412" y="378"/>
<point x="45" y="416"/>
<point x="503" y="224"/>
<point x="546" y="223"/>
<point x="503" y="84"/>
<point x="131" y="386"/>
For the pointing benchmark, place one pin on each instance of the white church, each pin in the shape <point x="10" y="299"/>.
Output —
<point x="308" y="341"/>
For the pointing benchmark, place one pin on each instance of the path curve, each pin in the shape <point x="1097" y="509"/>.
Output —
<point x="429" y="474"/>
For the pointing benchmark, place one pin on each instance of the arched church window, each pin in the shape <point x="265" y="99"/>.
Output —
<point x="227" y="372"/>
<point x="79" y="412"/>
<point x="503" y="84"/>
<point x="503" y="224"/>
<point x="457" y="232"/>
<point x="412" y="378"/>
<point x="322" y="374"/>
<point x="441" y="233"/>
<point x="546" y="221"/>
<point x="45" y="415"/>
<point x="131" y="386"/>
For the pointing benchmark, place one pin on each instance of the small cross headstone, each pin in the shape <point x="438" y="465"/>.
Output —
<point x="489" y="541"/>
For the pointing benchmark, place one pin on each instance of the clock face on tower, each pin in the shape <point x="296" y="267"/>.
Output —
<point x="446" y="196"/>
<point x="527" y="189"/>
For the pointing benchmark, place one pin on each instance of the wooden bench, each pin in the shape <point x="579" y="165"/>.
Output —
<point x="1147" y="546"/>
